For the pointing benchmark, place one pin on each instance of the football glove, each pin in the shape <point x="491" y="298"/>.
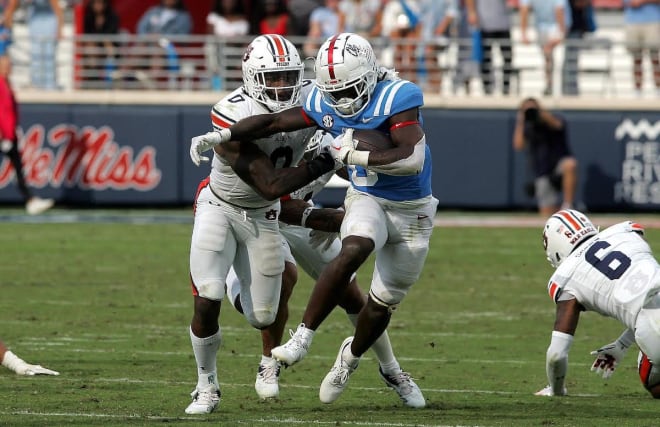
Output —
<point x="202" y="143"/>
<point x="608" y="357"/>
<point x="547" y="391"/>
<point x="31" y="370"/>
<point x="322" y="239"/>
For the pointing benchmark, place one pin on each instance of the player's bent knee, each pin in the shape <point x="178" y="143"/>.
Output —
<point x="261" y="319"/>
<point x="210" y="289"/>
<point x="390" y="306"/>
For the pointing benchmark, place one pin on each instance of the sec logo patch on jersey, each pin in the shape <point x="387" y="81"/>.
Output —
<point x="372" y="140"/>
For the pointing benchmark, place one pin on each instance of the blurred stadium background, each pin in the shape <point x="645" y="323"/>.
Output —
<point x="102" y="139"/>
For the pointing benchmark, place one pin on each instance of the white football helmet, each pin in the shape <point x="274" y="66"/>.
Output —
<point x="564" y="231"/>
<point x="273" y="72"/>
<point x="346" y="73"/>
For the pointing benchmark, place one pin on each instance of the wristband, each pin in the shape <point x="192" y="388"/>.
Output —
<point x="225" y="135"/>
<point x="305" y="214"/>
<point x="358" y="158"/>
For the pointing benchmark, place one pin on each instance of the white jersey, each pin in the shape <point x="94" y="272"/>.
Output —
<point x="612" y="274"/>
<point x="285" y="149"/>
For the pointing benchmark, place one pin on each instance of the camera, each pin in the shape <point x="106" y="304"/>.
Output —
<point x="532" y="115"/>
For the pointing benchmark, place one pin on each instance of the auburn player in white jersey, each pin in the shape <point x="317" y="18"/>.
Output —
<point x="311" y="241"/>
<point x="389" y="206"/>
<point x="237" y="207"/>
<point x="613" y="273"/>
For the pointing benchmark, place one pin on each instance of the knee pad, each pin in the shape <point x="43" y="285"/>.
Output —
<point x="261" y="319"/>
<point x="391" y="307"/>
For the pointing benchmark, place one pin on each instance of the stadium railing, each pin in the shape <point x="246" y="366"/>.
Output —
<point x="205" y="63"/>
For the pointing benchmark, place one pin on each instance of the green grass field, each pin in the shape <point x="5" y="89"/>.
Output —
<point x="109" y="304"/>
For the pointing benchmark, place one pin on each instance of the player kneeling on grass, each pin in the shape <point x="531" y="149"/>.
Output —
<point x="612" y="272"/>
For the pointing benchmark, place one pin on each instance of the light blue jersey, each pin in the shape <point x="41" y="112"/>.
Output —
<point x="390" y="97"/>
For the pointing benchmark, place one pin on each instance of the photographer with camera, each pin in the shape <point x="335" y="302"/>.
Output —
<point x="554" y="169"/>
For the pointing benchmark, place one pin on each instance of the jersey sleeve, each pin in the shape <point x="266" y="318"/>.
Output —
<point x="230" y="110"/>
<point x="404" y="95"/>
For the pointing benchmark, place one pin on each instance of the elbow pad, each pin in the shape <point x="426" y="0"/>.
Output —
<point x="557" y="361"/>
<point x="411" y="165"/>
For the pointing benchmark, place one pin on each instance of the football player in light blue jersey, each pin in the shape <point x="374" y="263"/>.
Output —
<point x="389" y="205"/>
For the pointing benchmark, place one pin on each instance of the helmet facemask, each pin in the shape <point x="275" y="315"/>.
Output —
<point x="279" y="89"/>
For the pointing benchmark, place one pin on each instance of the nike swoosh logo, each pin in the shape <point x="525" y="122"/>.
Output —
<point x="422" y="217"/>
<point x="367" y="119"/>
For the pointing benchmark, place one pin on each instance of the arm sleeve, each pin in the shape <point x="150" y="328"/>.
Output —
<point x="556" y="362"/>
<point x="411" y="165"/>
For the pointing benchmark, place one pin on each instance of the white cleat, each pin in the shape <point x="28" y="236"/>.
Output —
<point x="296" y="348"/>
<point x="267" y="383"/>
<point x="335" y="381"/>
<point x="204" y="402"/>
<point x="405" y="387"/>
<point x="36" y="205"/>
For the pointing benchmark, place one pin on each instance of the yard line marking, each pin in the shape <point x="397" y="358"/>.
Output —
<point x="266" y="421"/>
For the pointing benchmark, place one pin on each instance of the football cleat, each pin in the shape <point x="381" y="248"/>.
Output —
<point x="37" y="205"/>
<point x="296" y="348"/>
<point x="335" y="381"/>
<point x="405" y="387"/>
<point x="203" y="402"/>
<point x="268" y="376"/>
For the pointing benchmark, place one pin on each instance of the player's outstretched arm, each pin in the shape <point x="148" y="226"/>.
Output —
<point x="299" y="212"/>
<point x="255" y="168"/>
<point x="20" y="366"/>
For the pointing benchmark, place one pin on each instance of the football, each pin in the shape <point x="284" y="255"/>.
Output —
<point x="372" y="140"/>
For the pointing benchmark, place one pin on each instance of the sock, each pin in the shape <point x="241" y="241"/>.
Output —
<point x="206" y="353"/>
<point x="350" y="359"/>
<point x="383" y="349"/>
<point x="266" y="359"/>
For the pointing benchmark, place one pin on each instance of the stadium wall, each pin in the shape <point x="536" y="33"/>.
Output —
<point x="112" y="153"/>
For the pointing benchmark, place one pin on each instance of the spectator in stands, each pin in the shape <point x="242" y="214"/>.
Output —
<point x="7" y="9"/>
<point x="300" y="12"/>
<point x="435" y="20"/>
<point x="170" y="18"/>
<point x="551" y="19"/>
<point x="492" y="18"/>
<point x="14" y="363"/>
<point x="227" y="20"/>
<point x="99" y="55"/>
<point x="271" y="17"/>
<point x="544" y="136"/>
<point x="642" y="24"/>
<point x="323" y="23"/>
<point x="44" y="20"/>
<point x="467" y="65"/>
<point x="9" y="139"/>
<point x="582" y="22"/>
<point x="400" y="28"/>
<point x="360" y="15"/>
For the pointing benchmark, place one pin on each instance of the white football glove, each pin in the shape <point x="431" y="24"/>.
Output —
<point x="609" y="356"/>
<point x="547" y="391"/>
<point x="322" y="239"/>
<point x="202" y="143"/>
<point x="30" y="370"/>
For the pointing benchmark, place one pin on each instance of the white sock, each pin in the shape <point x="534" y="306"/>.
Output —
<point x="266" y="359"/>
<point x="383" y="349"/>
<point x="206" y="353"/>
<point x="351" y="359"/>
